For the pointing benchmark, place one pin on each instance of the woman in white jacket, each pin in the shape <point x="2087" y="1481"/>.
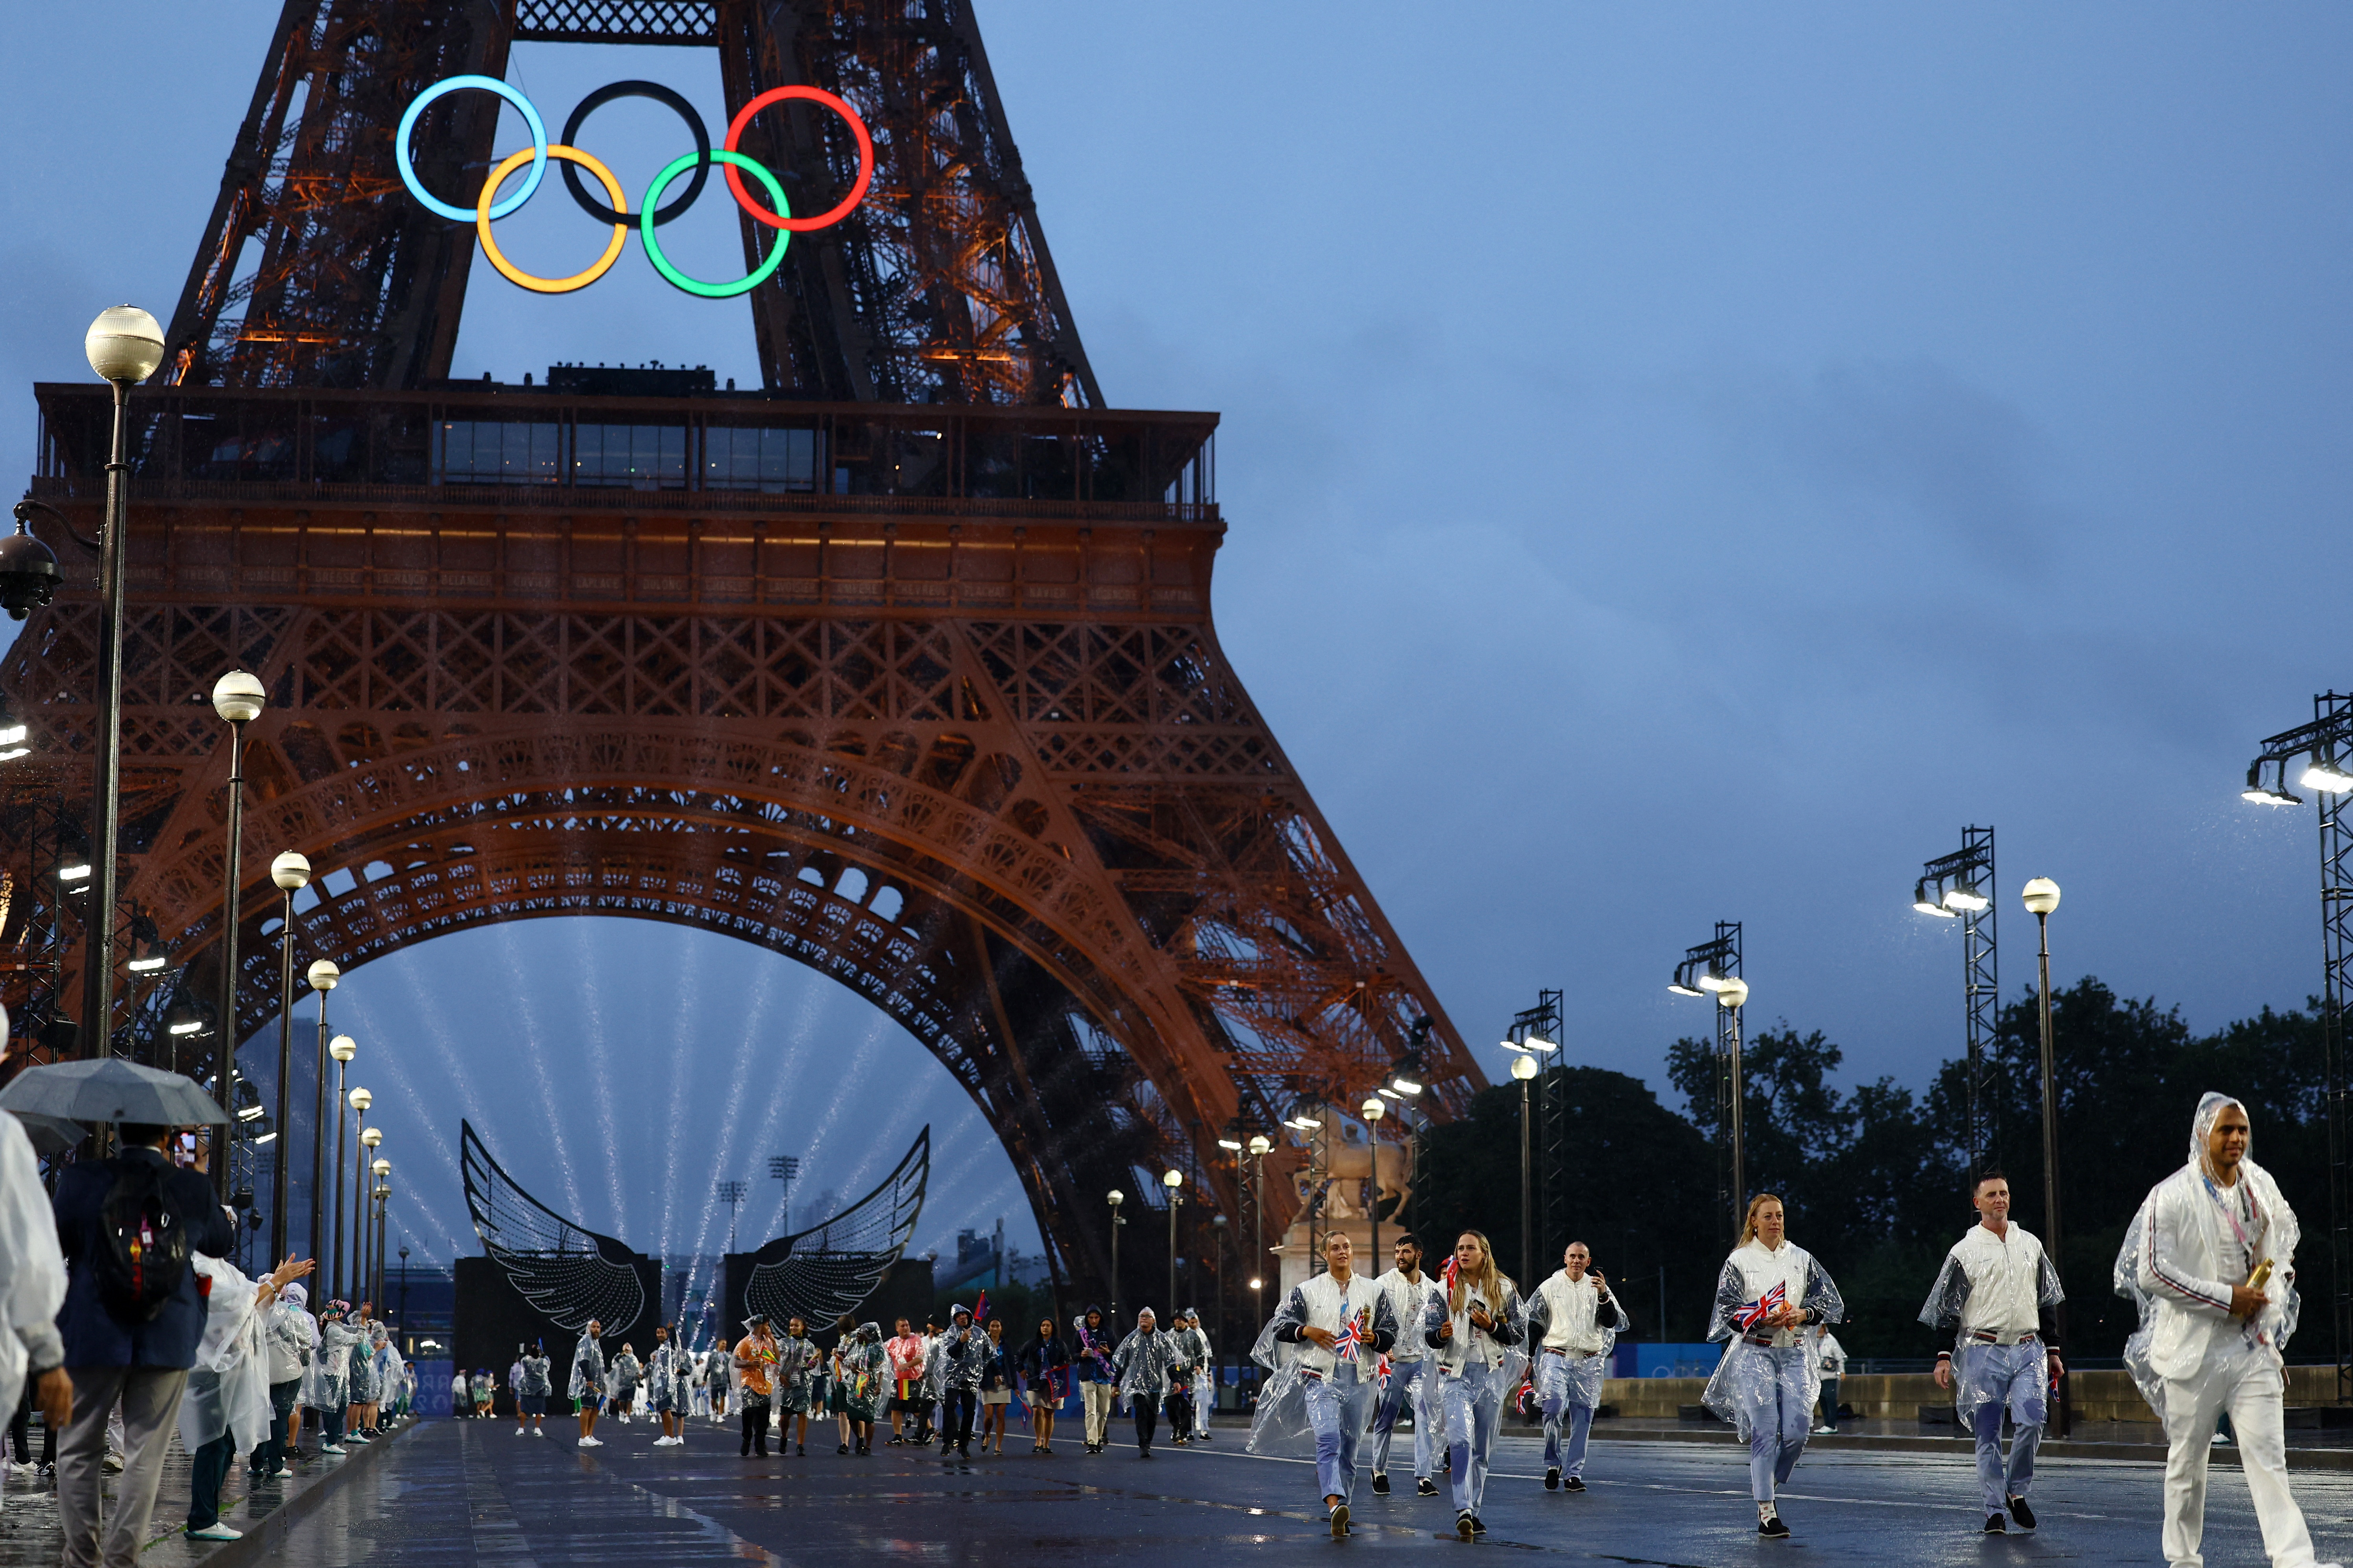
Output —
<point x="1770" y="1293"/>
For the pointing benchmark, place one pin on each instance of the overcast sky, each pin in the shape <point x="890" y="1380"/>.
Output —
<point x="1683" y="463"/>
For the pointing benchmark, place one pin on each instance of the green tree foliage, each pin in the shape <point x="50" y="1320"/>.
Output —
<point x="1875" y="1176"/>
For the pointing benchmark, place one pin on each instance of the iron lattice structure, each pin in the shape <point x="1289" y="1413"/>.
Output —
<point x="1719" y="959"/>
<point x="909" y="675"/>
<point x="317" y="269"/>
<point x="2329" y="741"/>
<point x="1968" y="872"/>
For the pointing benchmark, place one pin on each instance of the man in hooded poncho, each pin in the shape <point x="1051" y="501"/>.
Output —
<point x="2210" y="1261"/>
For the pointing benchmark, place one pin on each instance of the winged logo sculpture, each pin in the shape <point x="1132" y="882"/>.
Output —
<point x="572" y="1274"/>
<point x="565" y="1270"/>
<point x="819" y="1273"/>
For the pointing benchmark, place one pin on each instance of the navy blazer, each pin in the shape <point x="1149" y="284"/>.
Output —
<point x="93" y="1336"/>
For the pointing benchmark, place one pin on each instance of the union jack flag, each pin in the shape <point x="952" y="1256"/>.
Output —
<point x="1764" y="1306"/>
<point x="1352" y="1338"/>
<point x="1448" y="1275"/>
<point x="1383" y="1370"/>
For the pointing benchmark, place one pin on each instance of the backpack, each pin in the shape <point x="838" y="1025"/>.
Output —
<point x="144" y="1252"/>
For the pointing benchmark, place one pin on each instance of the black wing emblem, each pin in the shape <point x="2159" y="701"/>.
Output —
<point x="570" y="1274"/>
<point x="827" y="1270"/>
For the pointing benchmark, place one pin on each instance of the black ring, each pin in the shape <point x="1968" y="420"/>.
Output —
<point x="660" y="94"/>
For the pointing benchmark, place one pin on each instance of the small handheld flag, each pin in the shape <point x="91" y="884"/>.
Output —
<point x="1352" y="1338"/>
<point x="1764" y="1306"/>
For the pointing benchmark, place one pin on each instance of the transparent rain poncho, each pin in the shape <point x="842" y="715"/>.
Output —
<point x="537" y="1381"/>
<point x="1143" y="1362"/>
<point x="1746" y="1381"/>
<point x="627" y="1373"/>
<point x="587" y="1369"/>
<point x="328" y="1385"/>
<point x="2191" y="1191"/>
<point x="864" y="1367"/>
<point x="796" y="1363"/>
<point x="962" y="1352"/>
<point x="1948" y="1303"/>
<point x="1507" y="1363"/>
<point x="32" y="1267"/>
<point x="1572" y="1379"/>
<point x="1279" y="1426"/>
<point x="228" y="1387"/>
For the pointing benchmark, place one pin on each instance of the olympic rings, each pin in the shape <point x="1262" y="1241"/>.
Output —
<point x="677" y="105"/>
<point x="647" y="220"/>
<point x="865" y="158"/>
<point x="514" y="274"/>
<point x="488" y="84"/>
<point x="487" y="208"/>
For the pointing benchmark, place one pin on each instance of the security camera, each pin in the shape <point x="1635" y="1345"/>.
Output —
<point x="28" y="569"/>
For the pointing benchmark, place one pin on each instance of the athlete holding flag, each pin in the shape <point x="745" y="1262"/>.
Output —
<point x="1770" y="1291"/>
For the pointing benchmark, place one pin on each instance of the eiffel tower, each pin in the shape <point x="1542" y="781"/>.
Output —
<point x="902" y="665"/>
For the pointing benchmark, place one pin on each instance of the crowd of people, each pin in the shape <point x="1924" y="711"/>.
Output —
<point x="117" y="1358"/>
<point x="124" y="1324"/>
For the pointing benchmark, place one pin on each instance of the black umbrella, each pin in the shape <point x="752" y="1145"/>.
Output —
<point x="51" y="1134"/>
<point x="112" y="1091"/>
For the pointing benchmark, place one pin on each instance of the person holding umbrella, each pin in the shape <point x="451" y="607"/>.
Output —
<point x="132" y="1318"/>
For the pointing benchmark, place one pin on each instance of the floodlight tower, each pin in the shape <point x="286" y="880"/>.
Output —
<point x="1960" y="887"/>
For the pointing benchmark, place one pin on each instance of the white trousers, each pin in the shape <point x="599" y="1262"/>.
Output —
<point x="2243" y="1380"/>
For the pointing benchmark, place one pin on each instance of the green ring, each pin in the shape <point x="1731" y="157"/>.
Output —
<point x="758" y="275"/>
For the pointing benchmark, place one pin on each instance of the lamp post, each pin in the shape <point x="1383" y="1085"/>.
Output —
<point x="291" y="872"/>
<point x="349" y="1048"/>
<point x="238" y="697"/>
<point x="368" y="1140"/>
<point x="125" y="346"/>
<point x="1524" y="1068"/>
<point x="1218" y="1224"/>
<point x="1260" y="1145"/>
<point x="1115" y="1197"/>
<point x="1373" y="1111"/>
<point x="2041" y="896"/>
<point x="383" y="1169"/>
<point x="1710" y="966"/>
<point x="323" y="976"/>
<point x="1730" y="998"/>
<point x="1173" y="1180"/>
<point x="404" y="1299"/>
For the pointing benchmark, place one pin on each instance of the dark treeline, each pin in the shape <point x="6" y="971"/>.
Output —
<point x="1873" y="1175"/>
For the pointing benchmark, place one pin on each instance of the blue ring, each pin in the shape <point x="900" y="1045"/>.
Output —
<point x="488" y="84"/>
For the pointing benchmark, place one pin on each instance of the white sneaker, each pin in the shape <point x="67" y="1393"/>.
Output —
<point x="518" y="1431"/>
<point x="330" y="1449"/>
<point x="587" y="1442"/>
<point x="285" y="1473"/>
<point x="215" y="1531"/>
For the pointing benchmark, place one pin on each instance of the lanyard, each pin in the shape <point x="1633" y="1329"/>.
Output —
<point x="2221" y="1202"/>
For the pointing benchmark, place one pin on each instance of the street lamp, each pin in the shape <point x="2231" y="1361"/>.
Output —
<point x="1115" y="1197"/>
<point x="1524" y="1068"/>
<point x="1373" y="1110"/>
<point x="342" y="1048"/>
<point x="1731" y="995"/>
<point x="1174" y="1179"/>
<point x="1956" y="886"/>
<point x="2041" y="896"/>
<point x="1260" y="1145"/>
<point x="347" y="1211"/>
<point x="238" y="697"/>
<point x="1217" y="1225"/>
<point x="124" y="345"/>
<point x="382" y="1168"/>
<point x="324" y="976"/>
<point x="291" y="872"/>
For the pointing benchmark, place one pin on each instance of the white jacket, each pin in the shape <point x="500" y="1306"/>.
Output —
<point x="2189" y="1256"/>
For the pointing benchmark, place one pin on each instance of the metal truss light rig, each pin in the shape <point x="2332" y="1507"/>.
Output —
<point x="2325" y="748"/>
<point x="1960" y="886"/>
<point x="902" y="665"/>
<point x="1708" y="970"/>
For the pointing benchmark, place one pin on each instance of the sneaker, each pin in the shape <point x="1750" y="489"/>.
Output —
<point x="518" y="1431"/>
<point x="1574" y="1484"/>
<point x="330" y="1448"/>
<point x="1995" y="1525"/>
<point x="1552" y="1479"/>
<point x="1424" y="1487"/>
<point x="112" y="1464"/>
<point x="2020" y="1512"/>
<point x="1478" y="1525"/>
<point x="285" y="1473"/>
<point x="215" y="1531"/>
<point x="1824" y="1428"/>
<point x="843" y="1448"/>
<point x="587" y="1442"/>
<point x="1773" y="1528"/>
<point x="1380" y="1484"/>
<point x="1339" y="1520"/>
<point x="1462" y="1524"/>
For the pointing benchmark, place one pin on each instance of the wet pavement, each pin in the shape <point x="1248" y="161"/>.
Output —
<point x="462" y="1493"/>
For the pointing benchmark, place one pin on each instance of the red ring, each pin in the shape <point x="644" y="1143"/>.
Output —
<point x="865" y="158"/>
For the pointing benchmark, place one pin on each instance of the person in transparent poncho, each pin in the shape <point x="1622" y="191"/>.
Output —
<point x="328" y="1385"/>
<point x="227" y="1403"/>
<point x="587" y="1389"/>
<point x="1143" y="1362"/>
<point x="1770" y="1293"/>
<point x="2209" y="1261"/>
<point x="669" y="1377"/>
<point x="1322" y="1345"/>
<point x="1996" y="1292"/>
<point x="1409" y="1388"/>
<point x="1573" y="1324"/>
<point x="1478" y="1326"/>
<point x="621" y="1382"/>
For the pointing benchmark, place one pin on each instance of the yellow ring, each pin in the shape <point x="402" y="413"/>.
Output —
<point x="550" y="285"/>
